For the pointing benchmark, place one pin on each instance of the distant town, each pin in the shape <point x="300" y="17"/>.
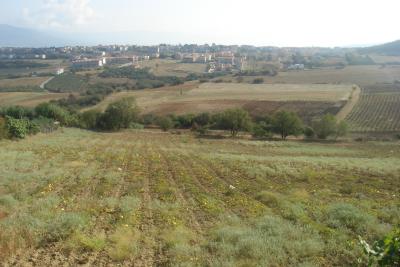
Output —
<point x="218" y="58"/>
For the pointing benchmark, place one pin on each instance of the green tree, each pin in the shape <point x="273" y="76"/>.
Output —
<point x="286" y="123"/>
<point x="235" y="120"/>
<point x="119" y="115"/>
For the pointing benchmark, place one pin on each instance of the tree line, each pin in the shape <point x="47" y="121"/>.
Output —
<point x="18" y="122"/>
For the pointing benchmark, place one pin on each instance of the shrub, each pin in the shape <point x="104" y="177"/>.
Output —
<point x="17" y="128"/>
<point x="89" y="119"/>
<point x="269" y="241"/>
<point x="181" y="246"/>
<point x="124" y="244"/>
<point x="202" y="119"/>
<point x="309" y="132"/>
<point x="18" y="112"/>
<point x="259" y="131"/>
<point x="83" y="242"/>
<point x="119" y="115"/>
<point x="148" y="119"/>
<point x="165" y="123"/>
<point x="385" y="252"/>
<point x="3" y="128"/>
<point x="343" y="215"/>
<point x="184" y="121"/>
<point x="328" y="126"/>
<point x="55" y="112"/>
<point x="258" y="81"/>
<point x="45" y="125"/>
<point x="268" y="198"/>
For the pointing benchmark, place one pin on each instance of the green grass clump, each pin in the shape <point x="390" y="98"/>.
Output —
<point x="182" y="246"/>
<point x="270" y="241"/>
<point x="84" y="242"/>
<point x="347" y="216"/>
<point x="124" y="243"/>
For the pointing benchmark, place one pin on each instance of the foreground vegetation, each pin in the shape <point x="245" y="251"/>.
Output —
<point x="152" y="198"/>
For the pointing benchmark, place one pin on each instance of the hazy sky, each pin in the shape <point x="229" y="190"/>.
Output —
<point x="257" y="22"/>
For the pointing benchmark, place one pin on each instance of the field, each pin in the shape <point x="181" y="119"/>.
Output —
<point x="156" y="199"/>
<point x="67" y="82"/>
<point x="28" y="99"/>
<point x="377" y="110"/>
<point x="31" y="81"/>
<point x="167" y="67"/>
<point x="360" y="75"/>
<point x="54" y="64"/>
<point x="257" y="99"/>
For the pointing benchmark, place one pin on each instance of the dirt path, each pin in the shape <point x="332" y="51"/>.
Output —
<point x="348" y="107"/>
<point x="46" y="82"/>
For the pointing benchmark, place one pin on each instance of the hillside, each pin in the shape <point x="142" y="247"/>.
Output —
<point x="392" y="49"/>
<point x="155" y="199"/>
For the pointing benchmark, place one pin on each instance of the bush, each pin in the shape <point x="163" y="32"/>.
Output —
<point x="89" y="119"/>
<point x="184" y="121"/>
<point x="385" y="252"/>
<point x="17" y="128"/>
<point x="269" y="241"/>
<point x="309" y="132"/>
<point x="258" y="81"/>
<point x="119" y="115"/>
<point x="45" y="125"/>
<point x="17" y="112"/>
<point x="343" y="215"/>
<point x="55" y="112"/>
<point x="165" y="123"/>
<point x="203" y="119"/>
<point x="3" y="128"/>
<point x="258" y="131"/>
<point x="148" y="119"/>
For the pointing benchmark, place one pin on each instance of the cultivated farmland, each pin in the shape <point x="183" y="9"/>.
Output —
<point x="360" y="75"/>
<point x="168" y="67"/>
<point x="156" y="199"/>
<point x="377" y="110"/>
<point x="308" y="100"/>
<point x="28" y="99"/>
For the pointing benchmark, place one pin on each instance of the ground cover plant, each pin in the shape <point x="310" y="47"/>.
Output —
<point x="147" y="198"/>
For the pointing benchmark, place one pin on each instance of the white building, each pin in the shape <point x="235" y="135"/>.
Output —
<point x="60" y="71"/>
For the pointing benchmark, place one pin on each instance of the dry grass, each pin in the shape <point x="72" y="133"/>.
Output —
<point x="28" y="99"/>
<point x="193" y="97"/>
<point x="165" y="67"/>
<point x="32" y="81"/>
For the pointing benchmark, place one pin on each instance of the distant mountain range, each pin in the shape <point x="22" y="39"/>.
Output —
<point x="21" y="37"/>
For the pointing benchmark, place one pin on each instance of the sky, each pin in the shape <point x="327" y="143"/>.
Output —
<point x="253" y="22"/>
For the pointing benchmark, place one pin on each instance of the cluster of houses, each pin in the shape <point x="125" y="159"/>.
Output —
<point x="91" y="63"/>
<point x="221" y="61"/>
